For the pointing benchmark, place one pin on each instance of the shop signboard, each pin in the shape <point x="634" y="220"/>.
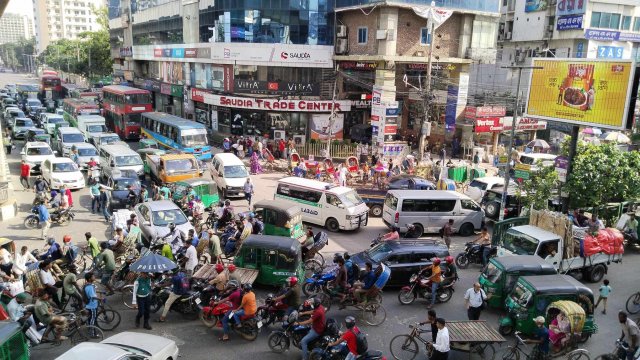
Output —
<point x="581" y="92"/>
<point x="274" y="53"/>
<point x="535" y="5"/>
<point x="609" y="35"/>
<point x="278" y="105"/>
<point x="190" y="53"/>
<point x="322" y="127"/>
<point x="503" y="160"/>
<point x="126" y="51"/>
<point x="176" y="90"/>
<point x="571" y="7"/>
<point x="522" y="171"/>
<point x="562" y="165"/>
<point x="450" y="112"/>
<point x="358" y="65"/>
<point x="523" y="123"/>
<point x="610" y="52"/>
<point x="197" y="94"/>
<point x="165" y="89"/>
<point x="571" y="22"/>
<point x="473" y="112"/>
<point x="276" y="87"/>
<point x="390" y="129"/>
<point x="488" y="124"/>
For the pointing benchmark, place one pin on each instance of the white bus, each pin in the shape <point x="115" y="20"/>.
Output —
<point x="334" y="207"/>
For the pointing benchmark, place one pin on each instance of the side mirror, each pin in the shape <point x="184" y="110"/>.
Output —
<point x="146" y="223"/>
<point x="112" y="164"/>
<point x="22" y="152"/>
<point x="341" y="206"/>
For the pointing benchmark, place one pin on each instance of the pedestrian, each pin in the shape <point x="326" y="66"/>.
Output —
<point x="191" y="256"/>
<point x="474" y="300"/>
<point x="431" y="319"/>
<point x="25" y="171"/>
<point x="447" y="231"/>
<point x="630" y="334"/>
<point x="248" y="191"/>
<point x="93" y="244"/>
<point x="441" y="346"/>
<point x="142" y="299"/>
<point x="67" y="192"/>
<point x="94" y="192"/>
<point x="45" y="219"/>
<point x="7" y="142"/>
<point x="443" y="154"/>
<point x="92" y="301"/>
<point x="604" y="290"/>
<point x="104" y="202"/>
<point x="343" y="175"/>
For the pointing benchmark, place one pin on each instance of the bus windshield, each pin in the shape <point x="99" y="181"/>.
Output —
<point x="133" y="119"/>
<point x="128" y="160"/>
<point x="194" y="140"/>
<point x="180" y="165"/>
<point x="235" y="171"/>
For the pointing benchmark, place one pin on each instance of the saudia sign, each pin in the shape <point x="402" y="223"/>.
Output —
<point x="277" y="105"/>
<point x="295" y="55"/>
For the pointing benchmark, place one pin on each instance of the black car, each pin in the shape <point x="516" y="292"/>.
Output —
<point x="410" y="182"/>
<point x="404" y="257"/>
<point x="120" y="192"/>
<point x="491" y="203"/>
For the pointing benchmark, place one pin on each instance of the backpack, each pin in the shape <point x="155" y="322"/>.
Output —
<point x="361" y="342"/>
<point x="331" y="328"/>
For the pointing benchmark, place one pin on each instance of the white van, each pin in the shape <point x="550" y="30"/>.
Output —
<point x="533" y="158"/>
<point x="91" y="125"/>
<point x="120" y="157"/>
<point x="429" y="211"/>
<point x="334" y="207"/>
<point x="66" y="138"/>
<point x="229" y="173"/>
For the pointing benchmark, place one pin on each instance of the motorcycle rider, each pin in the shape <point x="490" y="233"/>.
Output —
<point x="435" y="278"/>
<point x="106" y="261"/>
<point x="394" y="234"/>
<point x="220" y="281"/>
<point x="179" y="287"/>
<point x="341" y="280"/>
<point x="351" y="278"/>
<point x="631" y="227"/>
<point x="50" y="282"/>
<point x="248" y="307"/>
<point x="233" y="275"/>
<point x="318" y="323"/>
<point x="484" y="240"/>
<point x="368" y="280"/>
<point x="451" y="273"/>
<point x="349" y="337"/>
<point x="197" y="210"/>
<point x="44" y="218"/>
<point x="292" y="295"/>
<point x="233" y="292"/>
<point x="70" y="285"/>
<point x="175" y="238"/>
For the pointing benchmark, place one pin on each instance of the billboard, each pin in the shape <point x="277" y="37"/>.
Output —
<point x="571" y="7"/>
<point x="535" y="5"/>
<point x="581" y="92"/>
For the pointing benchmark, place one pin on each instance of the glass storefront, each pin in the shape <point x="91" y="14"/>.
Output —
<point x="166" y="30"/>
<point x="258" y="123"/>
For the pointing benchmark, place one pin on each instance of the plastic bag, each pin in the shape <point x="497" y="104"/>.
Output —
<point x="589" y="246"/>
<point x="613" y="243"/>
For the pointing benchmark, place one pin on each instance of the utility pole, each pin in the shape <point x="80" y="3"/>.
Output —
<point x="514" y="122"/>
<point x="332" y="117"/>
<point x="426" y="95"/>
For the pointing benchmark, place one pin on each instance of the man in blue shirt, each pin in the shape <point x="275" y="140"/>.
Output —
<point x="45" y="219"/>
<point x="53" y="253"/>
<point x="541" y="338"/>
<point x="178" y="289"/>
<point x="368" y="280"/>
<point x="92" y="301"/>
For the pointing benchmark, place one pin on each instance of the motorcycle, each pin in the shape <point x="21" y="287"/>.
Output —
<point x="340" y="352"/>
<point x="272" y="310"/>
<point x="319" y="281"/>
<point x="280" y="340"/>
<point x="473" y="255"/>
<point x="410" y="234"/>
<point x="420" y="286"/>
<point x="60" y="217"/>
<point x="212" y="315"/>
<point x="187" y="304"/>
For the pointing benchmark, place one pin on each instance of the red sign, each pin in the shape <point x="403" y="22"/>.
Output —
<point x="190" y="53"/>
<point x="228" y="78"/>
<point x="165" y="89"/>
<point x="272" y="86"/>
<point x="277" y="105"/>
<point x="390" y="129"/>
<point x="489" y="124"/>
<point x="157" y="52"/>
<point x="198" y="94"/>
<point x="472" y="112"/>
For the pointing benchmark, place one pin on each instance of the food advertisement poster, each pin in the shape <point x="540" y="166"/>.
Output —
<point x="320" y="126"/>
<point x="581" y="92"/>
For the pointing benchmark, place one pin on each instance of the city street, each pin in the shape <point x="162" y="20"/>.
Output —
<point x="198" y="342"/>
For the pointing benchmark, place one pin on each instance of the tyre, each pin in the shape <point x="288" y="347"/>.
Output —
<point x="208" y="320"/>
<point x="406" y="296"/>
<point x="596" y="273"/>
<point x="505" y="330"/>
<point x="316" y="355"/>
<point x="374" y="314"/>
<point x="86" y="333"/>
<point x="248" y="331"/>
<point x="278" y="342"/>
<point x="444" y="295"/>
<point x="332" y="225"/>
<point x="482" y="351"/>
<point x="583" y="337"/>
<point x="127" y="296"/>
<point x="419" y="230"/>
<point x="492" y="210"/>
<point x="403" y="347"/>
<point x="606" y="357"/>
<point x="579" y="354"/>
<point x="467" y="229"/>
<point x="311" y="289"/>
<point x="156" y="304"/>
<point x="31" y="222"/>
<point x="462" y="261"/>
<point x="376" y="210"/>
<point x="512" y="353"/>
<point x="311" y="267"/>
<point x="633" y="303"/>
<point x="108" y="319"/>
<point x="80" y="263"/>
<point x="65" y="220"/>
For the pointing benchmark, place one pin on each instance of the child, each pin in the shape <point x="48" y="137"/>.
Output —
<point x="605" y="290"/>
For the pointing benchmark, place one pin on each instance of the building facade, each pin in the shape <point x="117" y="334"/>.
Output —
<point x="15" y="27"/>
<point x="63" y="19"/>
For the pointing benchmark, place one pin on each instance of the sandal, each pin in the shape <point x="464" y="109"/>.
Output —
<point x="221" y="338"/>
<point x="161" y="320"/>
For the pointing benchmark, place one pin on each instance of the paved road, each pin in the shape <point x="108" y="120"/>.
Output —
<point x="198" y="342"/>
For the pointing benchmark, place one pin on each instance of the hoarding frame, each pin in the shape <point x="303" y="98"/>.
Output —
<point x="625" y="114"/>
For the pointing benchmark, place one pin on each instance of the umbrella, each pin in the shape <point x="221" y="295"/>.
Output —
<point x="538" y="143"/>
<point x="152" y="263"/>
<point x="615" y="136"/>
<point x="592" y="131"/>
<point x="592" y="140"/>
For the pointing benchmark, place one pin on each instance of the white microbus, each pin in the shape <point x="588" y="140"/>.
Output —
<point x="334" y="207"/>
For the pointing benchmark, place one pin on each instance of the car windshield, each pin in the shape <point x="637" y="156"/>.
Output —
<point x="24" y="122"/>
<point x="16" y="114"/>
<point x="34" y="103"/>
<point x="478" y="184"/>
<point x="519" y="243"/>
<point x="180" y="165"/>
<point x="43" y="150"/>
<point x="72" y="138"/>
<point x="121" y="184"/>
<point x="96" y="128"/>
<point x="65" y="167"/>
<point x="128" y="160"/>
<point x="164" y="217"/>
<point x="521" y="295"/>
<point x="527" y="160"/>
<point x="55" y="120"/>
<point x="350" y="199"/>
<point x="87" y="152"/>
<point x="105" y="140"/>
<point x="379" y="252"/>
<point x="492" y="273"/>
<point x="235" y="171"/>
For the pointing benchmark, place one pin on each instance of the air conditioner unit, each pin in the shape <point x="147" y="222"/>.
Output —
<point x="341" y="31"/>
<point x="341" y="46"/>
<point x="507" y="36"/>
<point x="381" y="35"/>
<point x="168" y="109"/>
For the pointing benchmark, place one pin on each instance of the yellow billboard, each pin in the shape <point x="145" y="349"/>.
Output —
<point x="583" y="92"/>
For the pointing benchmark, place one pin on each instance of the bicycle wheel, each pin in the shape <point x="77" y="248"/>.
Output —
<point x="579" y="354"/>
<point x="86" y="333"/>
<point x="374" y="314"/>
<point x="403" y="347"/>
<point x="483" y="351"/>
<point x="512" y="353"/>
<point x="633" y="303"/>
<point x="108" y="319"/>
<point x="606" y="357"/>
<point x="127" y="296"/>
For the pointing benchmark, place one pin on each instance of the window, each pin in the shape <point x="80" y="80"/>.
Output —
<point x="363" y="34"/>
<point x="636" y="24"/>
<point x="626" y="23"/>
<point x="425" y="39"/>
<point x="605" y="20"/>
<point x="469" y="205"/>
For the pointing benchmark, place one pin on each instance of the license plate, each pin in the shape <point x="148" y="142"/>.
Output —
<point x="259" y="324"/>
<point x="198" y="301"/>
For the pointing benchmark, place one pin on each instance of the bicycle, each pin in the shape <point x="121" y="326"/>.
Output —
<point x="633" y="303"/>
<point x="515" y="351"/>
<point x="107" y="319"/>
<point x="76" y="331"/>
<point x="619" y="352"/>
<point x="408" y="346"/>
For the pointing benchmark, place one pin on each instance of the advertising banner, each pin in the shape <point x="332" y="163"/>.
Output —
<point x="535" y="5"/>
<point x="277" y="105"/>
<point x="610" y="52"/>
<point x="581" y="92"/>
<point x="450" y="111"/>
<point x="320" y="126"/>
<point x="571" y="7"/>
<point x="472" y="112"/>
<point x="488" y="124"/>
<point x="562" y="165"/>
<point x="571" y="22"/>
<point x="276" y="87"/>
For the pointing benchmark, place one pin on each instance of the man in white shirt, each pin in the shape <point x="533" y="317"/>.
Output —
<point x="343" y="175"/>
<point x="6" y="260"/>
<point x="23" y="258"/>
<point x="474" y="301"/>
<point x="192" y="259"/>
<point x="441" y="346"/>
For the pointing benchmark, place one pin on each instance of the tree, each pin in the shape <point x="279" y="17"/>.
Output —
<point x="537" y="191"/>
<point x="12" y="54"/>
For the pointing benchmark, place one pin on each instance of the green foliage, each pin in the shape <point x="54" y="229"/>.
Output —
<point x="539" y="188"/>
<point x="12" y="54"/>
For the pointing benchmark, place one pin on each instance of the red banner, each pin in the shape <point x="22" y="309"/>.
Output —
<point x="489" y="124"/>
<point x="198" y="94"/>
<point x="391" y="129"/>
<point x="472" y="112"/>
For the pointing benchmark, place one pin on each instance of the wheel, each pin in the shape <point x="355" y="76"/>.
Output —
<point x="316" y="355"/>
<point x="80" y="263"/>
<point x="64" y="220"/>
<point x="579" y="354"/>
<point x="375" y="210"/>
<point x="87" y="333"/>
<point x="311" y="289"/>
<point x="596" y="273"/>
<point x="156" y="304"/>
<point x="31" y="222"/>
<point x="127" y="296"/>
<point x="208" y="320"/>
<point x="462" y="261"/>
<point x="483" y="351"/>
<point x="633" y="303"/>
<point x="319" y="258"/>
<point x="445" y="295"/>
<point x="406" y="296"/>
<point x="108" y="319"/>
<point x="311" y="267"/>
<point x="467" y="229"/>
<point x="403" y="347"/>
<point x="248" y="331"/>
<point x="606" y="357"/>
<point x="419" y="230"/>
<point x="505" y="330"/>
<point x="332" y="225"/>
<point x="278" y="342"/>
<point x="583" y="337"/>
<point x="512" y="353"/>
<point x="374" y="314"/>
<point x="191" y="313"/>
<point x="492" y="209"/>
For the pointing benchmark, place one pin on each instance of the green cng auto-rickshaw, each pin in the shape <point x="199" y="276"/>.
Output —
<point x="533" y="294"/>
<point x="502" y="273"/>
<point x="275" y="257"/>
<point x="206" y="189"/>
<point x="280" y="218"/>
<point x="13" y="344"/>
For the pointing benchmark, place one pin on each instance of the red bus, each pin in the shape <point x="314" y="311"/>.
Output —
<point x="122" y="107"/>
<point x="51" y="86"/>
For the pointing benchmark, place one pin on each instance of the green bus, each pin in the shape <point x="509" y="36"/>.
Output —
<point x="74" y="107"/>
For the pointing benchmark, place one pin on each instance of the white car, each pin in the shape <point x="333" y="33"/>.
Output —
<point x="479" y="186"/>
<point x="86" y="152"/>
<point x="35" y="152"/>
<point x="125" y="346"/>
<point x="62" y="171"/>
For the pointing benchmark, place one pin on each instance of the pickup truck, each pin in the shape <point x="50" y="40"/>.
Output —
<point x="540" y="237"/>
<point x="170" y="168"/>
<point x="374" y="197"/>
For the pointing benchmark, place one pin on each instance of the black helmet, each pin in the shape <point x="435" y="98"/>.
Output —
<point x="246" y="287"/>
<point x="317" y="302"/>
<point x="172" y="226"/>
<point x="51" y="241"/>
<point x="336" y="257"/>
<point x="350" y="322"/>
<point x="346" y="255"/>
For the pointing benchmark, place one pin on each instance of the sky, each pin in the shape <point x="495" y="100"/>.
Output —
<point x="24" y="7"/>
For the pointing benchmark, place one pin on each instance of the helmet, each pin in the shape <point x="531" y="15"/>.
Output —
<point x="317" y="302"/>
<point x="227" y="202"/>
<point x="172" y="226"/>
<point x="246" y="287"/>
<point x="231" y="268"/>
<point x="51" y="241"/>
<point x="436" y="261"/>
<point x="292" y="280"/>
<point x="219" y="268"/>
<point x="350" y="321"/>
<point x="66" y="238"/>
<point x="233" y="284"/>
<point x="449" y="259"/>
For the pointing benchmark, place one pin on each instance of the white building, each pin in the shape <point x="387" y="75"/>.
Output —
<point x="15" y="27"/>
<point x="63" y="19"/>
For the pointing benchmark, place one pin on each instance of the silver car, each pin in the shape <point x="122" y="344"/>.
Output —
<point x="155" y="216"/>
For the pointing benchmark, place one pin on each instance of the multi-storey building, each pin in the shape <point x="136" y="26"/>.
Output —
<point x="63" y="19"/>
<point x="15" y="27"/>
